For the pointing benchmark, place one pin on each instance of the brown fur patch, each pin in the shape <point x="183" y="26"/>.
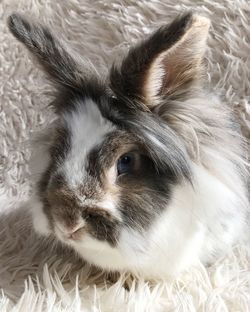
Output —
<point x="101" y="224"/>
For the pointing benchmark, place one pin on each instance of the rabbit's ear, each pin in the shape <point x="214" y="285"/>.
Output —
<point x="61" y="66"/>
<point x="167" y="64"/>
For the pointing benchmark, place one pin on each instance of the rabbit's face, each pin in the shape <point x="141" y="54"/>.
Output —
<point x="102" y="180"/>
<point x="114" y="161"/>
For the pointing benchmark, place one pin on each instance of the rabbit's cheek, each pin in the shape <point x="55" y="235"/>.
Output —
<point x="40" y="220"/>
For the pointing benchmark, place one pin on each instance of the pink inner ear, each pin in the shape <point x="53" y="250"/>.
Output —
<point x="179" y="67"/>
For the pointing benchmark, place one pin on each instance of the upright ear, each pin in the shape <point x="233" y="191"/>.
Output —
<point x="167" y="64"/>
<point x="61" y="66"/>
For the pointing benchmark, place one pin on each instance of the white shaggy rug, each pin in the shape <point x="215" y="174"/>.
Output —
<point x="36" y="275"/>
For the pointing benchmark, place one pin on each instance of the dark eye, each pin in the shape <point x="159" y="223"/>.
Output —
<point x="125" y="164"/>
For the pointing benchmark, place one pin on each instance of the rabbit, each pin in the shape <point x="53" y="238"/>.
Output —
<point x="145" y="171"/>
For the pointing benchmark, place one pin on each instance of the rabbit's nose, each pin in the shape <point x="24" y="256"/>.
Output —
<point x="77" y="227"/>
<point x="72" y="232"/>
<point x="75" y="231"/>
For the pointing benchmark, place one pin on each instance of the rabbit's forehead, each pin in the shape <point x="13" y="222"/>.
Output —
<point x="87" y="129"/>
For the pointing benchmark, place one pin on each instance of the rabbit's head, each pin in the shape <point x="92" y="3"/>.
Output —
<point x="113" y="160"/>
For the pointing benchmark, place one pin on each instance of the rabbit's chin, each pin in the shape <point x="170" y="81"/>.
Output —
<point x="188" y="231"/>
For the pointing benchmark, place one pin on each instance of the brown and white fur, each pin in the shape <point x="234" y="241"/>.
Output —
<point x="182" y="197"/>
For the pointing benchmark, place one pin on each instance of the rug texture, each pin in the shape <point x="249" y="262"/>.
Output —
<point x="35" y="274"/>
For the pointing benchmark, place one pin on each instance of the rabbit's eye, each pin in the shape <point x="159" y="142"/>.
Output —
<point x="125" y="164"/>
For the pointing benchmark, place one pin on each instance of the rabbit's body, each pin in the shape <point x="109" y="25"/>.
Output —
<point x="147" y="173"/>
<point x="200" y="220"/>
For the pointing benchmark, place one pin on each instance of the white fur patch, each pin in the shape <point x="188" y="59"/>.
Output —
<point x="87" y="129"/>
<point x="100" y="253"/>
<point x="40" y="221"/>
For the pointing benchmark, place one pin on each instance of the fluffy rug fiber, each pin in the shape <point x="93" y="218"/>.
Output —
<point x="37" y="275"/>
